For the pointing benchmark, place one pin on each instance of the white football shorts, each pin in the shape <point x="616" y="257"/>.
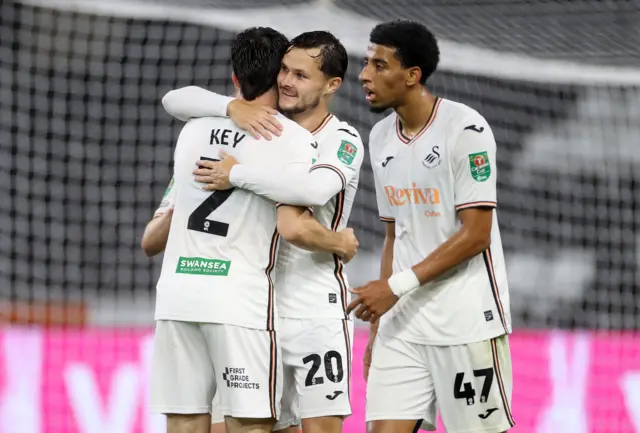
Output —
<point x="191" y="359"/>
<point x="316" y="357"/>
<point x="470" y="384"/>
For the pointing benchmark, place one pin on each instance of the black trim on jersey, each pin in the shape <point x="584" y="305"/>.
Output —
<point x="348" y="132"/>
<point x="416" y="428"/>
<point x="335" y="222"/>
<point x="498" y="372"/>
<point x="333" y="168"/>
<point x="488" y="262"/>
<point x="273" y="372"/>
<point x="273" y="251"/>
<point x="278" y="204"/>
<point x="322" y="124"/>
<point x="426" y="125"/>
<point x="347" y="341"/>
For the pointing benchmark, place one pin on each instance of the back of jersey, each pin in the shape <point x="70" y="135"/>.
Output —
<point x="222" y="245"/>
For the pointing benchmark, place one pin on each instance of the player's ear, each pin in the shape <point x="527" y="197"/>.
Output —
<point x="413" y="76"/>
<point x="333" y="85"/>
<point x="235" y="81"/>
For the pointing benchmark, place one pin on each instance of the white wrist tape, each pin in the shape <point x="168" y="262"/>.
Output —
<point x="403" y="282"/>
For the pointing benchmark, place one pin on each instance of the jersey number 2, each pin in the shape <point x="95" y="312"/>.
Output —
<point x="198" y="219"/>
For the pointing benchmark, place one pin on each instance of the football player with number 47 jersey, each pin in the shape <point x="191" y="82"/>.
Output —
<point x="215" y="305"/>
<point x="442" y="302"/>
<point x="311" y="288"/>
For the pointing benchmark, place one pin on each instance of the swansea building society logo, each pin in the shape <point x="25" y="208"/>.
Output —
<point x="238" y="378"/>
<point x="201" y="266"/>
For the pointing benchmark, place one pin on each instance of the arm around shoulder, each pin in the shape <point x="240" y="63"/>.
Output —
<point x="192" y="102"/>
<point x="297" y="226"/>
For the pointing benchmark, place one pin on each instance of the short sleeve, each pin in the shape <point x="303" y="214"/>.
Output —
<point x="342" y="152"/>
<point x="474" y="165"/>
<point x="384" y="207"/>
<point x="168" y="200"/>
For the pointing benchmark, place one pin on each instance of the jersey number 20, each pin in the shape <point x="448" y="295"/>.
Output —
<point x="198" y="219"/>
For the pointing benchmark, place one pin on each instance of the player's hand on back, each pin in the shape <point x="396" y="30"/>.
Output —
<point x="350" y="244"/>
<point x="372" y="301"/>
<point x="215" y="174"/>
<point x="259" y="120"/>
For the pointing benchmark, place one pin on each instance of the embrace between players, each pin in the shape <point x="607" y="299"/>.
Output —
<point x="253" y="332"/>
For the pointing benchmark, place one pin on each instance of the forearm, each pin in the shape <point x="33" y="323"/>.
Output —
<point x="313" y="236"/>
<point x="462" y="246"/>
<point x="193" y="102"/>
<point x="154" y="239"/>
<point x="292" y="184"/>
<point x="386" y="269"/>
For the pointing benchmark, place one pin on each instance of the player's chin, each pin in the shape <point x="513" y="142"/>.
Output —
<point x="378" y="107"/>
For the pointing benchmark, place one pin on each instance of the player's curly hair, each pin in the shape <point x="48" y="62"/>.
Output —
<point x="414" y="43"/>
<point x="256" y="55"/>
<point x="334" y="57"/>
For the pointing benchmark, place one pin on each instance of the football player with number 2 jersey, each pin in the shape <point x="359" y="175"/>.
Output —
<point x="311" y="288"/>
<point x="215" y="304"/>
<point x="442" y="303"/>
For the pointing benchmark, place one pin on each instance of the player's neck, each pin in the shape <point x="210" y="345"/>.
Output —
<point x="311" y="119"/>
<point x="269" y="99"/>
<point x="415" y="112"/>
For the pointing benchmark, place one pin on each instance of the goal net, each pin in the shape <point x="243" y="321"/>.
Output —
<point x="86" y="147"/>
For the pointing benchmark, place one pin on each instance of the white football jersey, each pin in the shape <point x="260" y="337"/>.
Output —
<point x="168" y="200"/>
<point x="421" y="185"/>
<point x="313" y="284"/>
<point x="222" y="246"/>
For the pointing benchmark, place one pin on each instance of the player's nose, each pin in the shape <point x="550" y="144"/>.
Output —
<point x="364" y="75"/>
<point x="285" y="81"/>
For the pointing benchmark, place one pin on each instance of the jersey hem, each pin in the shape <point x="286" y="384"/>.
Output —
<point x="498" y="429"/>
<point x="186" y="410"/>
<point x="333" y="168"/>
<point x="278" y="204"/>
<point x="179" y="318"/>
<point x="325" y="412"/>
<point x="313" y="317"/>
<point x="491" y="204"/>
<point x="385" y="417"/>
<point x="244" y="413"/>
<point x="458" y="342"/>
<point x="387" y="219"/>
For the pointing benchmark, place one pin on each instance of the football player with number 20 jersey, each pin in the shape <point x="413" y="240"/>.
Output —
<point x="215" y="306"/>
<point x="442" y="303"/>
<point x="311" y="288"/>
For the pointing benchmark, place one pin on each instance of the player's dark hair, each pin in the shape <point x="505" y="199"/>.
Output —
<point x="415" y="45"/>
<point x="256" y="55"/>
<point x="334" y="59"/>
